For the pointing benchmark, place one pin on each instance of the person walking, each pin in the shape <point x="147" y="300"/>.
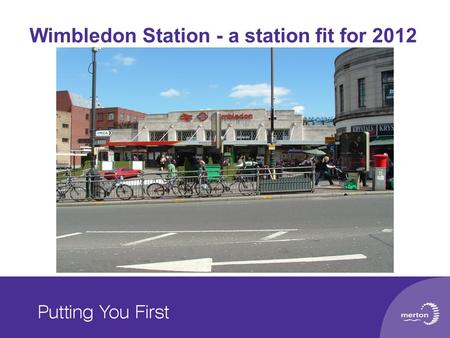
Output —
<point x="323" y="169"/>
<point x="172" y="169"/>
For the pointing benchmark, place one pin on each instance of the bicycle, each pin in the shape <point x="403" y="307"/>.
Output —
<point x="246" y="184"/>
<point x="176" y="186"/>
<point x="76" y="193"/>
<point x="122" y="190"/>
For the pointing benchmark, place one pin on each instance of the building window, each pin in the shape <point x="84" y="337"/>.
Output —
<point x="184" y="135"/>
<point x="361" y="93"/>
<point x="387" y="80"/>
<point x="87" y="116"/>
<point x="111" y="117"/>
<point x="122" y="116"/>
<point x="210" y="135"/>
<point x="65" y="125"/>
<point x="158" y="135"/>
<point x="65" y="140"/>
<point x="279" y="135"/>
<point x="86" y="131"/>
<point x="341" y="98"/>
<point x="245" y="134"/>
<point x="335" y="99"/>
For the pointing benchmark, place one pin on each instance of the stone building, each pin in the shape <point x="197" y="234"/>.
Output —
<point x="364" y="95"/>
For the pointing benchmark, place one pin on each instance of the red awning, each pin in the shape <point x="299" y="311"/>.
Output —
<point x="140" y="143"/>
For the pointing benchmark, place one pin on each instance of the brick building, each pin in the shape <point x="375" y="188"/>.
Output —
<point x="79" y="121"/>
<point x="117" y="118"/>
<point x="63" y="149"/>
<point x="79" y="109"/>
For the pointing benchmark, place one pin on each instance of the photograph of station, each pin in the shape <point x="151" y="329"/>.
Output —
<point x="224" y="161"/>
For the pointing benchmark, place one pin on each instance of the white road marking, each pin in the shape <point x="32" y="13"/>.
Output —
<point x="274" y="235"/>
<point x="149" y="239"/>
<point x="295" y="260"/>
<point x="69" y="235"/>
<point x="181" y="231"/>
<point x="281" y="240"/>
<point x="387" y="230"/>
<point x="206" y="264"/>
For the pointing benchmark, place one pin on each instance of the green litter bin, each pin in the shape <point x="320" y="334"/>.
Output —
<point x="213" y="171"/>
<point x="351" y="185"/>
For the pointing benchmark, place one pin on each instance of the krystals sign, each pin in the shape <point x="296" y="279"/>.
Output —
<point x="374" y="130"/>
<point x="233" y="116"/>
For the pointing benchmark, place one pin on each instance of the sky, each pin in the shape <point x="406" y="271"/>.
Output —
<point x="160" y="80"/>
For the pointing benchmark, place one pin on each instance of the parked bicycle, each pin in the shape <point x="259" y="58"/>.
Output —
<point x="76" y="193"/>
<point x="246" y="184"/>
<point x="173" y="185"/>
<point x="122" y="190"/>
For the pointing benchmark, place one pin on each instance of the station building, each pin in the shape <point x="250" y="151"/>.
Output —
<point x="364" y="96"/>
<point x="191" y="134"/>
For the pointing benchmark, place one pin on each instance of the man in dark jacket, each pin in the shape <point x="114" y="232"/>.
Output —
<point x="322" y="168"/>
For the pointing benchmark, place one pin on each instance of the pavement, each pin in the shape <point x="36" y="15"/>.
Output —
<point x="324" y="189"/>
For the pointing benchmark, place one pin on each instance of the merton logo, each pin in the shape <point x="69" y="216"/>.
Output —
<point x="428" y="315"/>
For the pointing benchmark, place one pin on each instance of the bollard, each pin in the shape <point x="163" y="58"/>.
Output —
<point x="92" y="182"/>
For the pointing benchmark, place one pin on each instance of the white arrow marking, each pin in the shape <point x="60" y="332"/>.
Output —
<point x="149" y="239"/>
<point x="69" y="235"/>
<point x="206" y="264"/>
<point x="275" y="235"/>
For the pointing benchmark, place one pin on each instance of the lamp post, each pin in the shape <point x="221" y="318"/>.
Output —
<point x="272" y="113"/>
<point x="93" y="106"/>
<point x="92" y="175"/>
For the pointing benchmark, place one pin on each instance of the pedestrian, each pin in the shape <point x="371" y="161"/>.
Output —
<point x="307" y="162"/>
<point x="162" y="162"/>
<point x="202" y="173"/>
<point x="362" y="172"/>
<point x="323" y="169"/>
<point x="389" y="168"/>
<point x="172" y="170"/>
<point x="363" y="177"/>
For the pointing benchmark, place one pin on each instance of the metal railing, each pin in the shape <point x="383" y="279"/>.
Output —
<point x="228" y="182"/>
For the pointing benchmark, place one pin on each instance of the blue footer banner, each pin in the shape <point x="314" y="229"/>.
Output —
<point x="225" y="307"/>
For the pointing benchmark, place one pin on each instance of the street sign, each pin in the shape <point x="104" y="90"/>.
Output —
<point x="329" y="139"/>
<point x="103" y="133"/>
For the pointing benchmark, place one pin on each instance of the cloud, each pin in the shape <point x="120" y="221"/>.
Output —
<point x="114" y="70"/>
<point x="170" y="93"/>
<point x="299" y="109"/>
<point x="124" y="60"/>
<point x="257" y="90"/>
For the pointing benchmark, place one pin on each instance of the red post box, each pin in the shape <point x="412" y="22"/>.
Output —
<point x="380" y="161"/>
